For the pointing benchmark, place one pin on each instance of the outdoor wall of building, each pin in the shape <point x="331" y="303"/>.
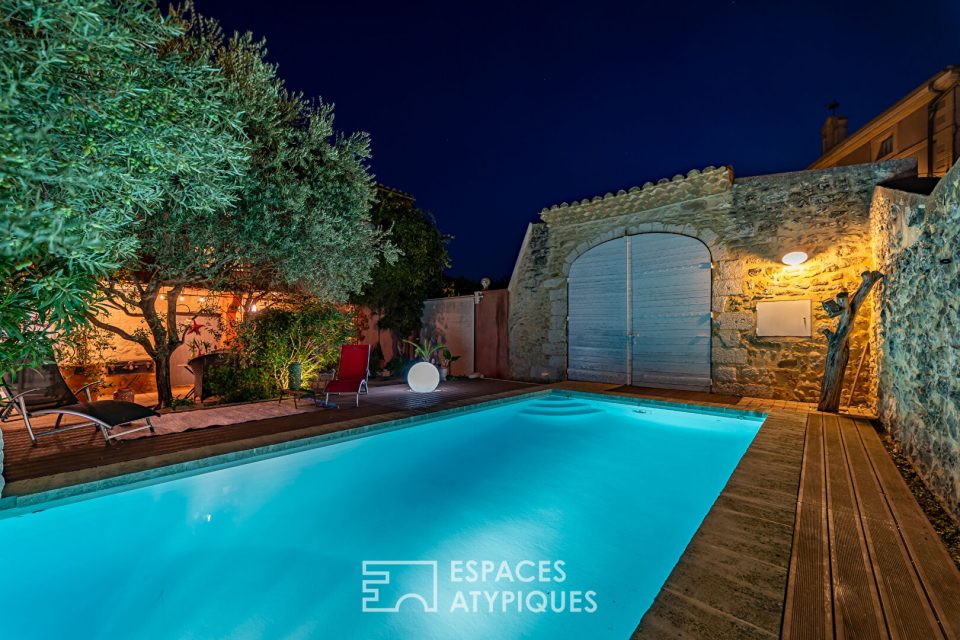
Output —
<point x="904" y="130"/>
<point x="124" y="351"/>
<point x="909" y="138"/>
<point x="450" y="321"/>
<point x="748" y="225"/>
<point x="917" y="247"/>
<point x="373" y="336"/>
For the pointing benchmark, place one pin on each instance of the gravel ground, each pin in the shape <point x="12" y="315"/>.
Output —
<point x="945" y="525"/>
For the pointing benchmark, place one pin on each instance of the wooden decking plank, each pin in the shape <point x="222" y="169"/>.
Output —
<point x="808" y="611"/>
<point x="84" y="449"/>
<point x="935" y="568"/>
<point x="905" y="607"/>
<point x="857" y="612"/>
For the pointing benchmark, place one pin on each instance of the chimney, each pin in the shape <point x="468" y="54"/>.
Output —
<point x="833" y="132"/>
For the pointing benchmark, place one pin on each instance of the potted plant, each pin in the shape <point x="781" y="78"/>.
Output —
<point x="125" y="393"/>
<point x="445" y="360"/>
<point x="423" y="377"/>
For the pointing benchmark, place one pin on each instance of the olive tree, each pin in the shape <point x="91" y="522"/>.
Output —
<point x="100" y="129"/>
<point x="198" y="156"/>
<point x="297" y="220"/>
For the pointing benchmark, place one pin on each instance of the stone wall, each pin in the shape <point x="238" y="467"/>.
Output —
<point x="748" y="224"/>
<point x="916" y="242"/>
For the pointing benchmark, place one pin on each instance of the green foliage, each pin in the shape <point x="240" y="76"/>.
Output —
<point x="397" y="290"/>
<point x="234" y="381"/>
<point x="98" y="126"/>
<point x="424" y="349"/>
<point x="88" y="349"/>
<point x="294" y="217"/>
<point x="446" y="358"/>
<point x="302" y="222"/>
<point x="182" y="402"/>
<point x="270" y="341"/>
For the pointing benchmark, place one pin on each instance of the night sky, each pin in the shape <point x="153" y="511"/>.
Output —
<point x="489" y="112"/>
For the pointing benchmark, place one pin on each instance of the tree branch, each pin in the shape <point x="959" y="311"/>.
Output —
<point x="123" y="334"/>
<point x="121" y="307"/>
<point x="116" y="292"/>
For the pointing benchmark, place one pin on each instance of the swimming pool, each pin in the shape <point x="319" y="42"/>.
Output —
<point x="555" y="516"/>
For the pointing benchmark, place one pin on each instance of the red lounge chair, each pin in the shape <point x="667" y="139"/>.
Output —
<point x="352" y="373"/>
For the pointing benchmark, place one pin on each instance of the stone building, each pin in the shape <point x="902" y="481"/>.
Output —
<point x="694" y="264"/>
<point x="725" y="297"/>
<point x="916" y="243"/>
<point x="924" y="124"/>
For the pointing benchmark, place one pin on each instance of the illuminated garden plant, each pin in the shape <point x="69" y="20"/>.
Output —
<point x="101" y="130"/>
<point x="287" y="204"/>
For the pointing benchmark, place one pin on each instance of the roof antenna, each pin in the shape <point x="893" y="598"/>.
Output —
<point x="833" y="106"/>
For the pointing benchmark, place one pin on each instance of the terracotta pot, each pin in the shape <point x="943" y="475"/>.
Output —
<point x="124" y="395"/>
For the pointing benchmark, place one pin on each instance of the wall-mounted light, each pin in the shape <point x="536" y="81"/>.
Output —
<point x="201" y="299"/>
<point x="253" y="308"/>
<point x="794" y="258"/>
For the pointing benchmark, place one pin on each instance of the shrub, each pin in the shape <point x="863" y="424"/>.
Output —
<point x="231" y="381"/>
<point x="269" y="342"/>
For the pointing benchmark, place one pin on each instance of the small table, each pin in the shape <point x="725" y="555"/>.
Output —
<point x="323" y="380"/>
<point x="298" y="394"/>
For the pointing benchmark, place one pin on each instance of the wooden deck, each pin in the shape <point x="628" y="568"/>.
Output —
<point x="866" y="563"/>
<point x="83" y="456"/>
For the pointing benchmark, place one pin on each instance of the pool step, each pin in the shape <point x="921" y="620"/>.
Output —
<point x="554" y="399"/>
<point x="561" y="407"/>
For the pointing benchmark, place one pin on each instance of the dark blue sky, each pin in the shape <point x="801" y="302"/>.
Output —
<point x="489" y="112"/>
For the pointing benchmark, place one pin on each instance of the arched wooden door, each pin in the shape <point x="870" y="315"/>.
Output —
<point x="639" y="313"/>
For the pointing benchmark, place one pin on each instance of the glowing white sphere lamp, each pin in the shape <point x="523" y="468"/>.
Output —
<point x="423" y="377"/>
<point x="795" y="258"/>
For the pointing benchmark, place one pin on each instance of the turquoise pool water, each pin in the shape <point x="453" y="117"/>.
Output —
<point x="576" y="506"/>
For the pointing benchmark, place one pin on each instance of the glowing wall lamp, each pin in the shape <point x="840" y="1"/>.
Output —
<point x="423" y="377"/>
<point x="795" y="258"/>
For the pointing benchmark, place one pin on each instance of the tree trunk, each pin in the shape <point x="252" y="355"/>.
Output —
<point x="838" y="342"/>
<point x="161" y="363"/>
<point x="161" y="336"/>
<point x="837" y="358"/>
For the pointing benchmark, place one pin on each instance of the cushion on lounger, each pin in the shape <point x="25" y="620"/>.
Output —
<point x="111" y="412"/>
<point x="344" y="386"/>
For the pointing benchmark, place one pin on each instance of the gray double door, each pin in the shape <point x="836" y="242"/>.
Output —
<point x="639" y="313"/>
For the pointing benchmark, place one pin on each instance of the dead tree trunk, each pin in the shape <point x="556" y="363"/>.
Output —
<point x="838" y="342"/>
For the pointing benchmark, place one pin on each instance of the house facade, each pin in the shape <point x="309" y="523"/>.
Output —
<point x="682" y="284"/>
<point x="924" y="125"/>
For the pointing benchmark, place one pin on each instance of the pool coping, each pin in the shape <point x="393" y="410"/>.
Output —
<point x="730" y="583"/>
